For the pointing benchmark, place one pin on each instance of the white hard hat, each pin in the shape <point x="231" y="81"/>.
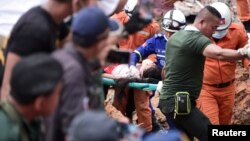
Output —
<point x="173" y="21"/>
<point x="130" y="6"/>
<point x="108" y="6"/>
<point x="226" y="16"/>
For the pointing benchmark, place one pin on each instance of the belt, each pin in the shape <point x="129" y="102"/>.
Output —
<point x="222" y="85"/>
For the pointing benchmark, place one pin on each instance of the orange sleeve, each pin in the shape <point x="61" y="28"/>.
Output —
<point x="243" y="38"/>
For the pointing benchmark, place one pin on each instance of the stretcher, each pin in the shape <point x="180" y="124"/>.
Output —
<point x="136" y="85"/>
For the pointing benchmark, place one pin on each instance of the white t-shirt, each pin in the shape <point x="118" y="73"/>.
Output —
<point x="11" y="11"/>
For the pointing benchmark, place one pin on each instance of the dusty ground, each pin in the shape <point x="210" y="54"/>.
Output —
<point x="241" y="109"/>
<point x="114" y="113"/>
<point x="242" y="99"/>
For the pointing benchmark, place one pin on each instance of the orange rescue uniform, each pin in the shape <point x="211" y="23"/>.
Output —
<point x="218" y="91"/>
<point x="141" y="101"/>
<point x="137" y="39"/>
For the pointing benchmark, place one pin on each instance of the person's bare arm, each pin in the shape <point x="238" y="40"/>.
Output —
<point x="106" y="75"/>
<point x="216" y="52"/>
<point x="12" y="59"/>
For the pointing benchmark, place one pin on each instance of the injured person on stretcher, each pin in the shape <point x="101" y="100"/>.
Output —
<point x="147" y="72"/>
<point x="126" y="99"/>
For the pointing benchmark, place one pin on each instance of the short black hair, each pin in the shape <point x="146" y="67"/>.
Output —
<point x="213" y="11"/>
<point x="153" y="72"/>
<point x="34" y="76"/>
<point x="206" y="11"/>
<point x="190" y="19"/>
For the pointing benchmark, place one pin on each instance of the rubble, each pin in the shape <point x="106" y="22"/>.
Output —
<point x="242" y="98"/>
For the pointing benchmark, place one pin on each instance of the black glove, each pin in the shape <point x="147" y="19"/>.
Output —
<point x="135" y="23"/>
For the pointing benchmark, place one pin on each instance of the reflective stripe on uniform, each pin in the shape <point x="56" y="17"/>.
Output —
<point x="137" y="52"/>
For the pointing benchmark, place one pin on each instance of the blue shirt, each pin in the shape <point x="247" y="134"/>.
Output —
<point x="155" y="45"/>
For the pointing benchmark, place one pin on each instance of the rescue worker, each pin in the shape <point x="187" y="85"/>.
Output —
<point x="20" y="113"/>
<point x="137" y="39"/>
<point x="173" y="21"/>
<point x="244" y="13"/>
<point x="216" y="100"/>
<point x="133" y="41"/>
<point x="185" y="60"/>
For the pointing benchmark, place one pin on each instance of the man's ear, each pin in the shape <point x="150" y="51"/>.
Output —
<point x="38" y="104"/>
<point x="203" y="21"/>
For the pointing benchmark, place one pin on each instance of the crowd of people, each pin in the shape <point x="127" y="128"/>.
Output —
<point x="54" y="54"/>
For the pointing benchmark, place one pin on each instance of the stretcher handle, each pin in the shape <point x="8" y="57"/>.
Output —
<point x="140" y="86"/>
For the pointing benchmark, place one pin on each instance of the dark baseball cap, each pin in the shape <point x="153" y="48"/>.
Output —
<point x="34" y="76"/>
<point x="93" y="126"/>
<point x="89" y="25"/>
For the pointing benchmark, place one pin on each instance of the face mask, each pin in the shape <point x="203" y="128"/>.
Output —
<point x="220" y="34"/>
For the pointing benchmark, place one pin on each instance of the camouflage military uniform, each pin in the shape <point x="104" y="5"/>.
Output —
<point x="13" y="127"/>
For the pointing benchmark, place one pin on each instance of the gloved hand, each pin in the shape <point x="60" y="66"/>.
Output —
<point x="245" y="51"/>
<point x="159" y="87"/>
<point x="136" y="23"/>
<point x="134" y="72"/>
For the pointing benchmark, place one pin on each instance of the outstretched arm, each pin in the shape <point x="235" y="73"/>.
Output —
<point x="216" y="52"/>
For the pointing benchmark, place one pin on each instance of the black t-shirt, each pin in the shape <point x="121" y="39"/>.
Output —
<point x="34" y="32"/>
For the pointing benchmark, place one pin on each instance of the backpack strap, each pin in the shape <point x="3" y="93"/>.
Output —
<point x="11" y="112"/>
